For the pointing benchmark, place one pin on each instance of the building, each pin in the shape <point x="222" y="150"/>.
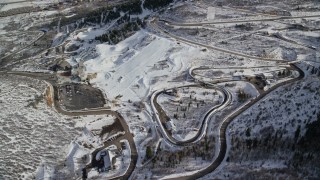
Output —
<point x="107" y="160"/>
<point x="104" y="160"/>
<point x="267" y="75"/>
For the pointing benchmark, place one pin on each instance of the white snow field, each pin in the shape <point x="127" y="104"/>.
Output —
<point x="134" y="62"/>
<point x="13" y="4"/>
<point x="280" y="114"/>
<point x="39" y="143"/>
<point x="16" y="5"/>
<point x="32" y="133"/>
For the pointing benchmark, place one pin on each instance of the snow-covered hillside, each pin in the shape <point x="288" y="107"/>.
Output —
<point x="275" y="124"/>
<point x="32" y="133"/>
<point x="128" y="68"/>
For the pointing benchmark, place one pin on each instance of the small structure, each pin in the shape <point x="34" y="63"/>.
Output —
<point x="62" y="68"/>
<point x="211" y="12"/>
<point x="219" y="2"/>
<point x="267" y="75"/>
<point x="170" y="125"/>
<point x="104" y="160"/>
<point x="107" y="160"/>
<point x="237" y="75"/>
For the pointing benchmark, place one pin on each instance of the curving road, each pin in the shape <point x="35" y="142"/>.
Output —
<point x="153" y="23"/>
<point x="204" y="123"/>
<point x="156" y="27"/>
<point x="227" y="120"/>
<point x="50" y="79"/>
<point x="225" y="123"/>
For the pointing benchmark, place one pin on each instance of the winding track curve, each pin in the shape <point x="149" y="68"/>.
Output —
<point x="222" y="135"/>
<point x="204" y="124"/>
<point x="227" y="120"/>
<point x="50" y="79"/>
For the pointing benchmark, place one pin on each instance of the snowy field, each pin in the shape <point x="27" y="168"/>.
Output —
<point x="39" y="143"/>
<point x="14" y="41"/>
<point x="128" y="68"/>
<point x="272" y="124"/>
<point x="187" y="107"/>
<point x="14" y="4"/>
<point x="29" y="130"/>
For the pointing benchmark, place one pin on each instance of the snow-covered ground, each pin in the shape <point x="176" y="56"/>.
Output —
<point x="14" y="4"/>
<point x="187" y="108"/>
<point x="33" y="134"/>
<point x="121" y="163"/>
<point x="272" y="124"/>
<point x="131" y="70"/>
<point x="127" y="69"/>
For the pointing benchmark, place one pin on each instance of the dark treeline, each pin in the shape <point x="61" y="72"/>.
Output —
<point x="109" y="13"/>
<point x="156" y="4"/>
<point x="129" y="26"/>
<point x="106" y="14"/>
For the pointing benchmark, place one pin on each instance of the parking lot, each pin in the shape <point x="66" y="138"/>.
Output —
<point x="80" y="96"/>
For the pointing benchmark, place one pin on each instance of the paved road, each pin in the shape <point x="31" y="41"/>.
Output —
<point x="4" y="65"/>
<point x="23" y="48"/>
<point x="224" y="125"/>
<point x="51" y="79"/>
<point x="249" y="11"/>
<point x="156" y="27"/>
<point x="13" y="62"/>
<point x="226" y="121"/>
<point x="279" y="36"/>
<point x="160" y="115"/>
<point x="153" y="24"/>
<point x="238" y="21"/>
<point x="128" y="135"/>
<point x="223" y="129"/>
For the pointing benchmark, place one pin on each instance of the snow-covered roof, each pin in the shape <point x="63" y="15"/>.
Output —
<point x="267" y="75"/>
<point x="107" y="160"/>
